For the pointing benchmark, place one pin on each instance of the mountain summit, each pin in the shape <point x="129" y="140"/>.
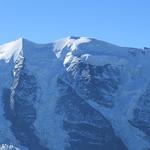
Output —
<point x="76" y="93"/>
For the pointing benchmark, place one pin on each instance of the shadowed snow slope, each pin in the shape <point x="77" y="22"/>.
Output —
<point x="76" y="93"/>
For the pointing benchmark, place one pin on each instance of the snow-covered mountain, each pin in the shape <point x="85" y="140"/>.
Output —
<point x="77" y="93"/>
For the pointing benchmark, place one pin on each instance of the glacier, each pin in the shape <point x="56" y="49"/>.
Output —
<point x="76" y="93"/>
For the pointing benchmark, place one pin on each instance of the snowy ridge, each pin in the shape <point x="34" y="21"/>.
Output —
<point x="71" y="43"/>
<point x="12" y="49"/>
<point x="16" y="73"/>
<point x="9" y="54"/>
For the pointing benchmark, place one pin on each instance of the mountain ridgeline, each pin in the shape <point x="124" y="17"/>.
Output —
<point x="76" y="93"/>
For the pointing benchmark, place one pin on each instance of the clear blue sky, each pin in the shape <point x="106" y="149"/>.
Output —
<point x="123" y="22"/>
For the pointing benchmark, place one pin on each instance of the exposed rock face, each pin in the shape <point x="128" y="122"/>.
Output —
<point x="74" y="94"/>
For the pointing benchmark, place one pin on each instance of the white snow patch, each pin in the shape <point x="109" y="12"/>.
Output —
<point x="9" y="50"/>
<point x="74" y="43"/>
<point x="70" y="43"/>
<point x="8" y="147"/>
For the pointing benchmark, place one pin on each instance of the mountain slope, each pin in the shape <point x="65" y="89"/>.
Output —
<point x="73" y="94"/>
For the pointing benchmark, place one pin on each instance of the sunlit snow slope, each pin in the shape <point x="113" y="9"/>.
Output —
<point x="76" y="93"/>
